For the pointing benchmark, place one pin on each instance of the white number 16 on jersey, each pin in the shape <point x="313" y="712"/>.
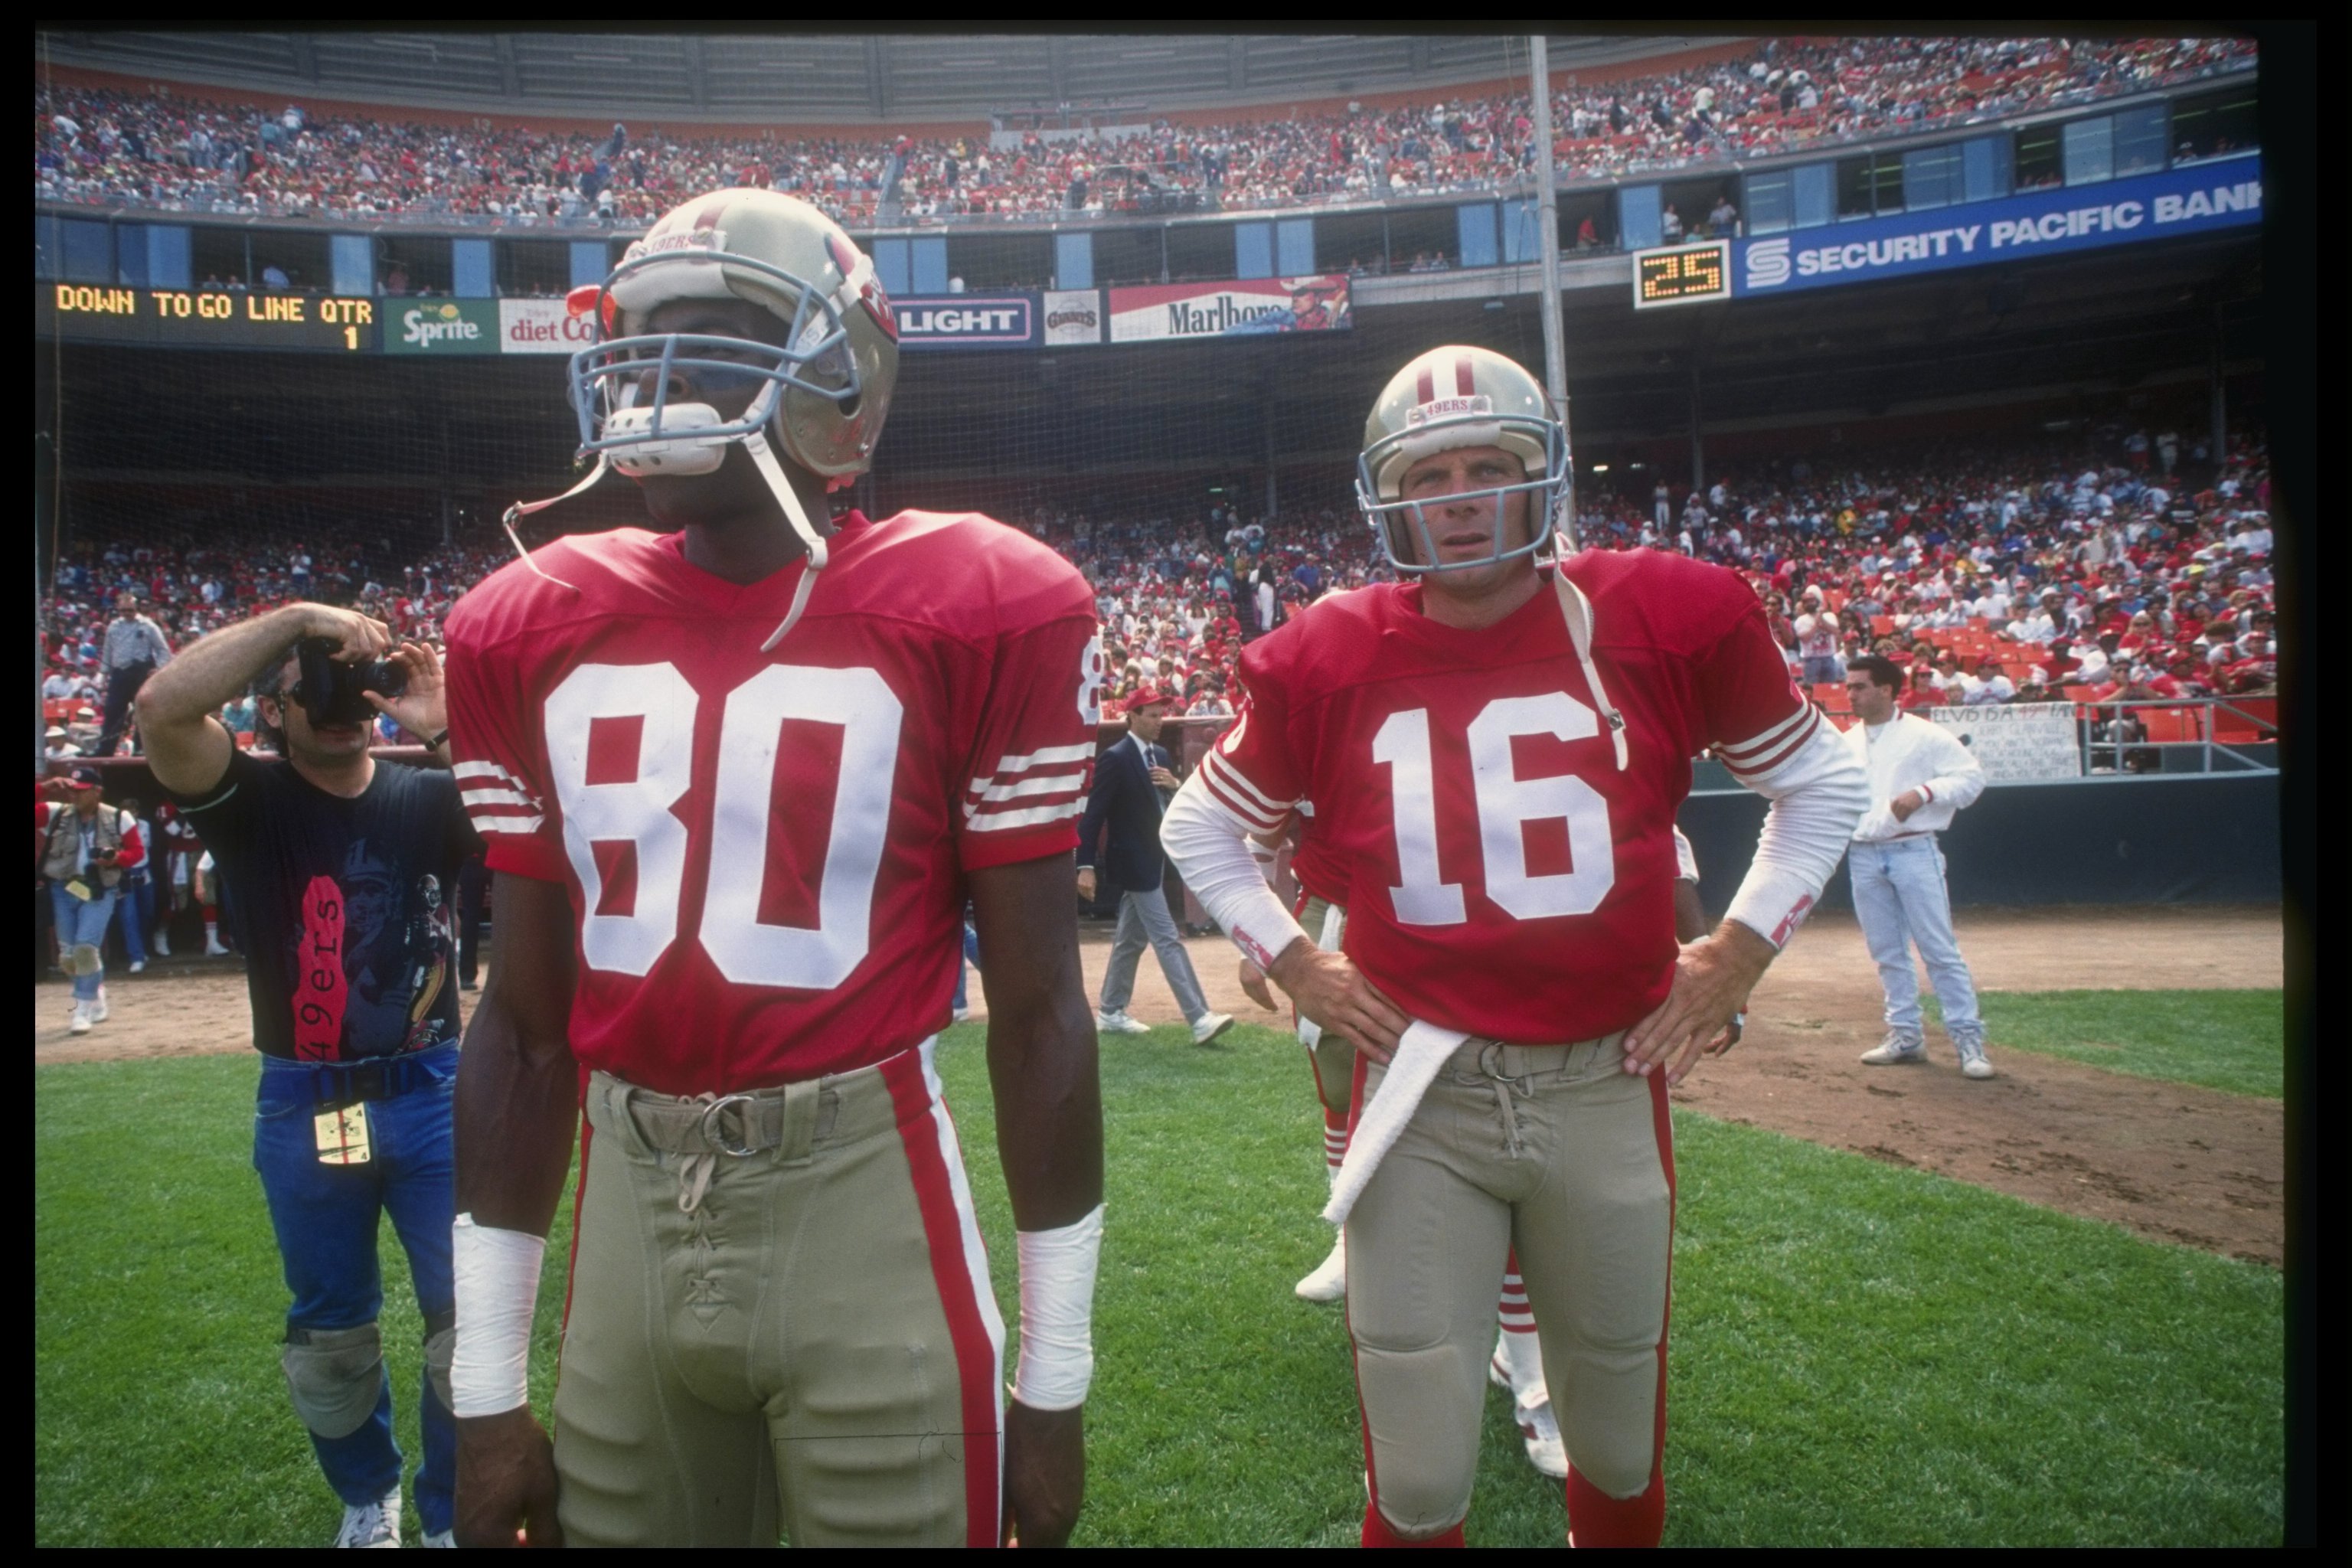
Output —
<point x="1506" y="804"/>
<point x="636" y="812"/>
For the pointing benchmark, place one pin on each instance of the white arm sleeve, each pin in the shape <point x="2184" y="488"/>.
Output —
<point x="1211" y="849"/>
<point x="1959" y="777"/>
<point x="1686" y="859"/>
<point x="1818" y="790"/>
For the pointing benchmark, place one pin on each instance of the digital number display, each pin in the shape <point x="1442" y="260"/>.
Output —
<point x="1681" y="275"/>
<point x="204" y="318"/>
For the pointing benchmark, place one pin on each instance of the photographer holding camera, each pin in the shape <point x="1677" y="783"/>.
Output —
<point x="342" y="870"/>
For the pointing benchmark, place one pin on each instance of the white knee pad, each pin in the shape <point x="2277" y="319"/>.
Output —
<point x="1424" y="1463"/>
<point x="335" y="1376"/>
<point x="83" y="958"/>
<point x="1614" y="1457"/>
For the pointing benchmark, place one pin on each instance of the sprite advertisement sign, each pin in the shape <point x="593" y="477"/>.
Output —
<point x="440" y="326"/>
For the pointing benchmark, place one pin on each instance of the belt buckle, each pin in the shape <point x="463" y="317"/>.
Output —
<point x="713" y="1126"/>
<point x="1490" y="1062"/>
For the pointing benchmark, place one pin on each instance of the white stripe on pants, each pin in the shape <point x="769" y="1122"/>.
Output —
<point x="1900" y="897"/>
<point x="1143" y="918"/>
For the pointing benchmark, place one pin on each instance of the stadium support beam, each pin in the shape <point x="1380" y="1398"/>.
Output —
<point x="510" y="74"/>
<point x="2217" y="395"/>
<point x="877" y="71"/>
<point x="1548" y="231"/>
<point x="697" y="80"/>
<point x="1699" y="439"/>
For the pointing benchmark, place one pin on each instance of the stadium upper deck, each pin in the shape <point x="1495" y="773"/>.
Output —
<point x="137" y="144"/>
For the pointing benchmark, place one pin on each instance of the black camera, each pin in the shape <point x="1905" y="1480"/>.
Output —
<point x="332" y="693"/>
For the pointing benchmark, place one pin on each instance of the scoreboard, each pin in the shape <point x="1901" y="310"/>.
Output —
<point x="204" y="318"/>
<point x="1681" y="275"/>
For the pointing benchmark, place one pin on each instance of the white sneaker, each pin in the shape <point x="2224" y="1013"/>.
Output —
<point x="1209" y="1025"/>
<point x="441" y="1537"/>
<point x="1119" y="1023"/>
<point x="162" y="944"/>
<point x="212" y="949"/>
<point x="1546" y="1452"/>
<point x="81" y="1018"/>
<point x="98" y="1010"/>
<point x="1890" y="1051"/>
<point x="138" y="966"/>
<point x="372" y="1524"/>
<point x="1976" y="1066"/>
<point x="958" y="1015"/>
<point x="1531" y="1409"/>
<point x="1330" y="1281"/>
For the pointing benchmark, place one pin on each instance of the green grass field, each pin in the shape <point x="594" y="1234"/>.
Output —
<point x="2230" y="1040"/>
<point x="1862" y="1355"/>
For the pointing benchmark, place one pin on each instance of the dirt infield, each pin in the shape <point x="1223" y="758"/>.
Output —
<point x="2172" y="1161"/>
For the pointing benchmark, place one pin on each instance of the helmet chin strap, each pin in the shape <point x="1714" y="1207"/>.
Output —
<point x="523" y="509"/>
<point x="789" y="498"/>
<point x="1578" y="611"/>
<point x="763" y="457"/>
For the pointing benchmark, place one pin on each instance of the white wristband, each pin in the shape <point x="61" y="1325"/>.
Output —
<point x="1057" y="1314"/>
<point x="497" y="1277"/>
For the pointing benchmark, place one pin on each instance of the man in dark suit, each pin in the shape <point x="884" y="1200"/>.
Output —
<point x="1132" y="784"/>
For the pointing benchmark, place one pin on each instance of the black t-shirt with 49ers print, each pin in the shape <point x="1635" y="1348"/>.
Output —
<point x="344" y="908"/>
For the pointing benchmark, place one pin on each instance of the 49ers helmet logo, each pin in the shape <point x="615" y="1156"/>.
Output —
<point x="847" y="257"/>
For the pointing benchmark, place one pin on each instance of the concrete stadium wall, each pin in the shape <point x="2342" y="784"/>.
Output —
<point x="2204" y="839"/>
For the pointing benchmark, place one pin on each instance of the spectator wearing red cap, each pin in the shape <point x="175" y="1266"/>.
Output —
<point x="1132" y="784"/>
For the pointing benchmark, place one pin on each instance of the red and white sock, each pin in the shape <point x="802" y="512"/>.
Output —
<point x="1522" y="1353"/>
<point x="1335" y="1141"/>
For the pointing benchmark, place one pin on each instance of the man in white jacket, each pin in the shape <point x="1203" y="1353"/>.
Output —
<point x="1920" y="775"/>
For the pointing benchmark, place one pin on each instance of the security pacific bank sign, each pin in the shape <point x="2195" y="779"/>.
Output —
<point x="2046" y="223"/>
<point x="967" y="321"/>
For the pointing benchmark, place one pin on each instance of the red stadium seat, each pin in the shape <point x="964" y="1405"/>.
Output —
<point x="1881" y="625"/>
<point x="2255" y="719"/>
<point x="2171" y="724"/>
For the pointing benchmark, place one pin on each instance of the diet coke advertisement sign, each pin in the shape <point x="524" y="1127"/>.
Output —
<point x="542" y="327"/>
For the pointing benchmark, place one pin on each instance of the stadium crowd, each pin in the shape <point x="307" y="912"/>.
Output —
<point x="178" y="150"/>
<point x="2131" y="568"/>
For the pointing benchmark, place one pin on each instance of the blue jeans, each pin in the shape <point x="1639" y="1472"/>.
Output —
<point x="81" y="921"/>
<point x="1900" y="897"/>
<point x="970" y="956"/>
<point x="327" y="1217"/>
<point x="138" y="907"/>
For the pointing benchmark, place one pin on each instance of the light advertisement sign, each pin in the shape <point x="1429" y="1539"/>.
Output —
<point x="1005" y="320"/>
<point x="543" y="326"/>
<point x="1170" y="312"/>
<point x="2045" y="223"/>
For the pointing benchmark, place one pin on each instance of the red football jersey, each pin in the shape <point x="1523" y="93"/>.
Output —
<point x="1502" y="876"/>
<point x="766" y="852"/>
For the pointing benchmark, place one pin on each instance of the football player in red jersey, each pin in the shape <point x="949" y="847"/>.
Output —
<point x="736" y="780"/>
<point x="1496" y="761"/>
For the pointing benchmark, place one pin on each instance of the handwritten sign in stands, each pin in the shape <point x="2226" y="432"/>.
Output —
<point x="2017" y="743"/>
